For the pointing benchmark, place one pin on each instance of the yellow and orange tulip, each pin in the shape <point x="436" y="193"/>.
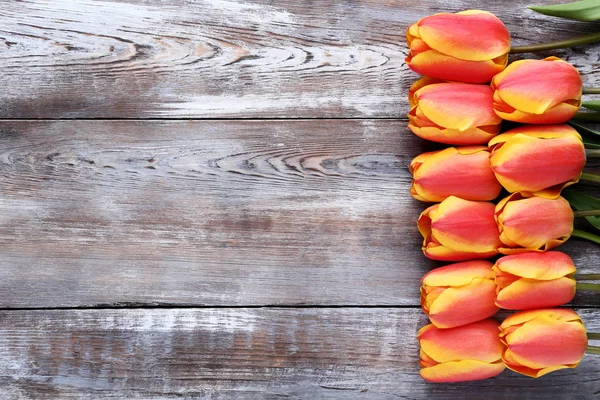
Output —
<point x="469" y="46"/>
<point x="538" y="160"/>
<point x="534" y="280"/>
<point x="544" y="91"/>
<point x="466" y="353"/>
<point x="541" y="341"/>
<point x="533" y="223"/>
<point x="459" y="230"/>
<point x="459" y="294"/>
<point x="464" y="172"/>
<point x="452" y="113"/>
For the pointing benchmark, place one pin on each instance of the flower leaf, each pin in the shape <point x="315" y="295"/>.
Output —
<point x="581" y="202"/>
<point x="591" y="138"/>
<point x="592" y="105"/>
<point x="585" y="10"/>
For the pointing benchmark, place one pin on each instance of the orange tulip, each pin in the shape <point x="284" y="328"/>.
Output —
<point x="459" y="230"/>
<point x="538" y="160"/>
<point x="453" y="113"/>
<point x="541" y="341"/>
<point x="459" y="294"/>
<point x="464" y="172"/>
<point x="469" y="46"/>
<point x="534" y="280"/>
<point x="544" y="91"/>
<point x="533" y="224"/>
<point x="466" y="353"/>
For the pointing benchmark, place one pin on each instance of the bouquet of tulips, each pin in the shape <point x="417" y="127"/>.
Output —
<point x="468" y="90"/>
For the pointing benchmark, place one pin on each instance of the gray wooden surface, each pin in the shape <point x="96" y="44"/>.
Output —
<point x="178" y="221"/>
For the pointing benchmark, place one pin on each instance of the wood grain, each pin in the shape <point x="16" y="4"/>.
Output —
<point x="325" y="353"/>
<point x="117" y="213"/>
<point x="230" y="58"/>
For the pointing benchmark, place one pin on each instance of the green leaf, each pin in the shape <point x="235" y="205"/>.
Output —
<point x="585" y="10"/>
<point x="580" y="202"/>
<point x="591" y="138"/>
<point x="592" y="105"/>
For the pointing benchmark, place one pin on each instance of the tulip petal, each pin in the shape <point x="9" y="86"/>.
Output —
<point x="517" y="319"/>
<point x="459" y="274"/>
<point x="534" y="86"/>
<point x="531" y="372"/>
<point x="545" y="342"/>
<point x="527" y="294"/>
<point x="461" y="371"/>
<point x="462" y="305"/>
<point x="466" y="226"/>
<point x="474" y="35"/>
<point x="530" y="165"/>
<point x="535" y="223"/>
<point x="458" y="106"/>
<point x="557" y="114"/>
<point x="463" y="172"/>
<point x="540" y="266"/>
<point x="452" y="136"/>
<point x="424" y="81"/>
<point x="433" y="63"/>
<point x="477" y="341"/>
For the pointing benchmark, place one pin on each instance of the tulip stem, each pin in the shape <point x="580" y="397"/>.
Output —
<point x="586" y="235"/>
<point x="590" y="90"/>
<point x="586" y="213"/>
<point x="593" y="350"/>
<point x="561" y="44"/>
<point x="587" y="286"/>
<point x="593" y="336"/>
<point x="590" y="177"/>
<point x="588" y="277"/>
<point x="587" y="116"/>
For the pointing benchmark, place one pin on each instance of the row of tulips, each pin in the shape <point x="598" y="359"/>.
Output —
<point x="459" y="53"/>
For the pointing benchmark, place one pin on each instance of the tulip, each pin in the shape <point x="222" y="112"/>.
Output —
<point x="466" y="353"/>
<point x="541" y="341"/>
<point x="464" y="172"/>
<point x="533" y="224"/>
<point x="538" y="160"/>
<point x="469" y="46"/>
<point x="544" y="91"/>
<point x="453" y="113"/>
<point x="459" y="230"/>
<point x="534" y="280"/>
<point x="459" y="294"/>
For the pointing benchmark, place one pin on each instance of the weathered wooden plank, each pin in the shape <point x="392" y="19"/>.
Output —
<point x="244" y="354"/>
<point x="212" y="213"/>
<point x="234" y="58"/>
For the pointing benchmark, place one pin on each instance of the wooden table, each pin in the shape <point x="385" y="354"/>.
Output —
<point x="209" y="199"/>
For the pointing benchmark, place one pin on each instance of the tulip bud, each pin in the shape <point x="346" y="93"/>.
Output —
<point x="538" y="160"/>
<point x="459" y="294"/>
<point x="534" y="280"/>
<point x="541" y="341"/>
<point x="466" y="353"/>
<point x="464" y="172"/>
<point x="533" y="224"/>
<point x="459" y="230"/>
<point x="469" y="46"/>
<point x="544" y="91"/>
<point x="453" y="113"/>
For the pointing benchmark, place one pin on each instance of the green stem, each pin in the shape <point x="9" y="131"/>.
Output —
<point x="586" y="235"/>
<point x="561" y="44"/>
<point x="593" y="336"/>
<point x="587" y="116"/>
<point x="590" y="90"/>
<point x="587" y="286"/>
<point x="593" y="350"/>
<point x="590" y="177"/>
<point x="586" y="213"/>
<point x="588" y="277"/>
